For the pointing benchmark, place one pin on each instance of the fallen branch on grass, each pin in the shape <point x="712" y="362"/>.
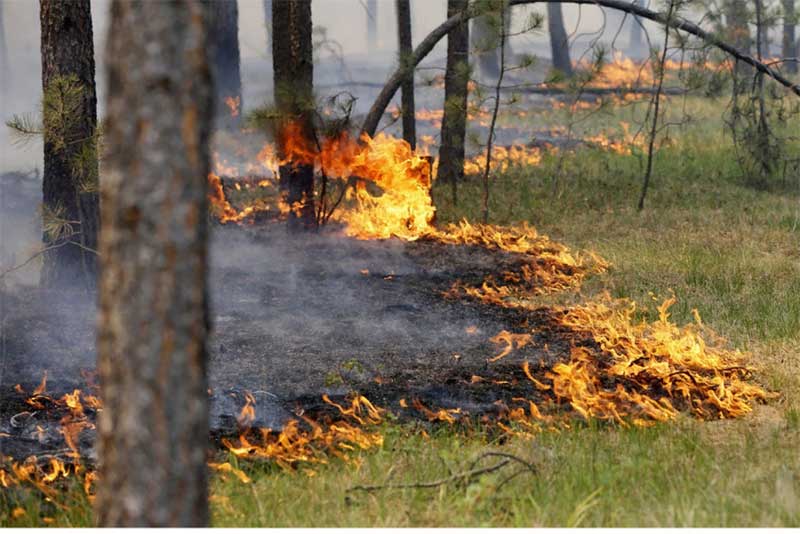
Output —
<point x="465" y="477"/>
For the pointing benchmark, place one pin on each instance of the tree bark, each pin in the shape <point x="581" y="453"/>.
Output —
<point x="738" y="32"/>
<point x="635" y="41"/>
<point x="293" y="68"/>
<point x="559" y="43"/>
<point x="484" y="41"/>
<point x="5" y="73"/>
<point x="391" y="86"/>
<point x="789" y="48"/>
<point x="224" y="31"/>
<point x="372" y="24"/>
<point x="69" y="195"/>
<point x="152" y="325"/>
<point x="405" y="50"/>
<point x="268" y="24"/>
<point x="454" y="121"/>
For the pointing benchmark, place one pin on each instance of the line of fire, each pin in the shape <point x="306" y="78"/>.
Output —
<point x="237" y="267"/>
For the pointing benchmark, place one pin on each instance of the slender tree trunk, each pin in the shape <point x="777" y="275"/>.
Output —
<point x="224" y="31"/>
<point x="659" y="84"/>
<point x="268" y="24"/>
<point x="454" y="121"/>
<point x="789" y="48"/>
<point x="69" y="195"/>
<point x="372" y="24"/>
<point x="5" y="73"/>
<point x="737" y="17"/>
<point x="559" y="43"/>
<point x="484" y="41"/>
<point x="635" y="42"/>
<point x="293" y="68"/>
<point x="153" y="429"/>
<point x="763" y="127"/>
<point x="405" y="50"/>
<point x="490" y="137"/>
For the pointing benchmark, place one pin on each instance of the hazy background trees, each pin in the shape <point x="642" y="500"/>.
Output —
<point x="224" y="31"/>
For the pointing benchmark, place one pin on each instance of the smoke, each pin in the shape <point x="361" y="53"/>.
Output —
<point x="292" y="315"/>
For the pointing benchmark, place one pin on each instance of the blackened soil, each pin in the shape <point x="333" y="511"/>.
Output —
<point x="298" y="316"/>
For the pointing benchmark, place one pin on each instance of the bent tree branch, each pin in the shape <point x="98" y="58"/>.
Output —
<point x="423" y="49"/>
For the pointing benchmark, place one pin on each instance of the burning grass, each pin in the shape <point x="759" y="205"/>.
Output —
<point x="616" y="369"/>
<point x="739" y="270"/>
<point x="620" y="368"/>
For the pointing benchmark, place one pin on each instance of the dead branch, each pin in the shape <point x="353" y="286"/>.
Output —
<point x="46" y="249"/>
<point x="465" y="477"/>
<point x="426" y="45"/>
<point x="490" y="137"/>
<point x="659" y="84"/>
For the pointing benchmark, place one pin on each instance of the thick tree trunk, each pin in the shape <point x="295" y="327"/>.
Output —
<point x="152" y="325"/>
<point x="69" y="195"/>
<point x="372" y="24"/>
<point x="405" y="50"/>
<point x="293" y="69"/>
<point x="559" y="43"/>
<point x="454" y="121"/>
<point x="789" y="48"/>
<point x="224" y="31"/>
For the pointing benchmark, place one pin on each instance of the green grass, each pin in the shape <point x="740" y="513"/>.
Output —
<point x="722" y="247"/>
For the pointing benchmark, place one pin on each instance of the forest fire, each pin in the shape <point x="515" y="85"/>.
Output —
<point x="615" y="370"/>
<point x="609" y="367"/>
<point x="337" y="437"/>
<point x="75" y="413"/>
<point x="623" y="72"/>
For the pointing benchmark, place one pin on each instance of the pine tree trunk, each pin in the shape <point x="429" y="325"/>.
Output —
<point x="454" y="121"/>
<point x="372" y="24"/>
<point x="224" y="31"/>
<point x="268" y="24"/>
<point x="737" y="16"/>
<point x="5" y="73"/>
<point x="293" y="68"/>
<point x="635" y="42"/>
<point x="68" y="195"/>
<point x="405" y="49"/>
<point x="153" y="429"/>
<point x="484" y="40"/>
<point x="559" y="43"/>
<point x="789" y="48"/>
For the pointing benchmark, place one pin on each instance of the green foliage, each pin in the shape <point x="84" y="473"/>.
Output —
<point x="24" y="128"/>
<point x="62" y="109"/>
<point x="55" y="225"/>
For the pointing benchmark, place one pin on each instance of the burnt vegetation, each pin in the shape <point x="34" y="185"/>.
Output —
<point x="281" y="283"/>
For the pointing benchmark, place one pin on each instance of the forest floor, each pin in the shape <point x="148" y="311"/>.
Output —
<point x="709" y="237"/>
<point x="721" y="246"/>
